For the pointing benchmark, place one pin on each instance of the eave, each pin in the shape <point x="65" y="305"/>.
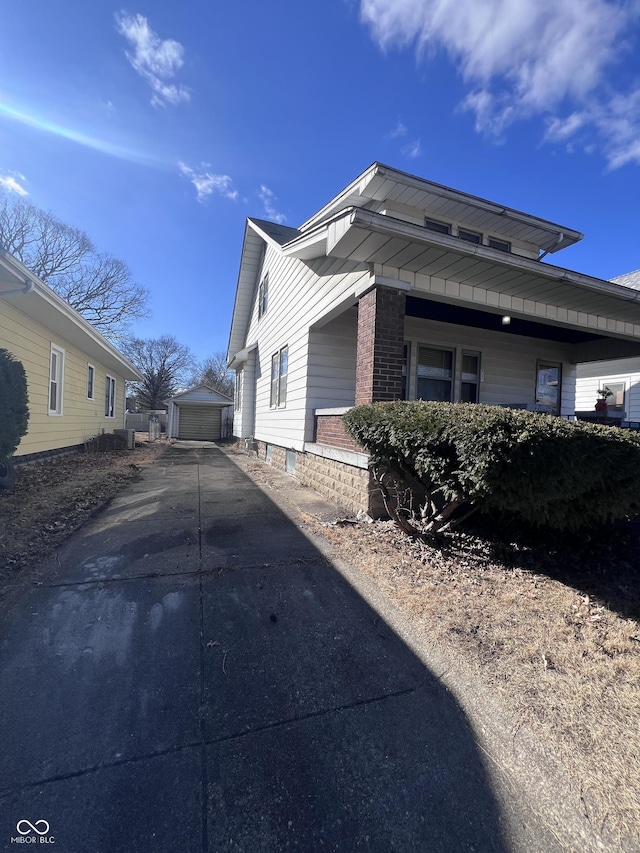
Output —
<point x="384" y="184"/>
<point x="24" y="291"/>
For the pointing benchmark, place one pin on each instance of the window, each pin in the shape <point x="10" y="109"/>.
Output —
<point x="470" y="236"/>
<point x="263" y="296"/>
<point x="279" y="370"/>
<point x="91" y="375"/>
<point x="56" y="380"/>
<point x="238" y="392"/>
<point x="500" y="245"/>
<point x="470" y="377"/>
<point x="435" y="374"/>
<point x="406" y="354"/>
<point x="110" y="397"/>
<point x="548" y="385"/>
<point x="440" y="227"/>
<point x="615" y="403"/>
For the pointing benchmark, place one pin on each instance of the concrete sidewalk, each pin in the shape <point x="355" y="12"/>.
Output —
<point x="190" y="673"/>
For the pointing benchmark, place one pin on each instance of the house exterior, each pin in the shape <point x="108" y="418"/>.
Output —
<point x="75" y="377"/>
<point x="200" y="414"/>
<point x="400" y="288"/>
<point x="621" y="377"/>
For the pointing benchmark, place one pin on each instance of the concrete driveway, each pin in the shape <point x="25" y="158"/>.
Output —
<point x="190" y="673"/>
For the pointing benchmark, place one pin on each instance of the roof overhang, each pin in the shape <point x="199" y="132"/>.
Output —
<point x="384" y="184"/>
<point x="364" y="236"/>
<point x="24" y="291"/>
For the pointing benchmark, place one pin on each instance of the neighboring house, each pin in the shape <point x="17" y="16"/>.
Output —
<point x="400" y="288"/>
<point x="621" y="377"/>
<point x="75" y="377"/>
<point x="200" y="414"/>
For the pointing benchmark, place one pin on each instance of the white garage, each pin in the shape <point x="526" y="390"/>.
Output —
<point x="200" y="414"/>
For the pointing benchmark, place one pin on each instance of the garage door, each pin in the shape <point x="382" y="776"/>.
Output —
<point x="199" y="423"/>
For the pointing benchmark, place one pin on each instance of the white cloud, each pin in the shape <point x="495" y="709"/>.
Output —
<point x="413" y="149"/>
<point x="207" y="183"/>
<point x="9" y="183"/>
<point x="522" y="58"/>
<point x="398" y="130"/>
<point x="156" y="60"/>
<point x="268" y="200"/>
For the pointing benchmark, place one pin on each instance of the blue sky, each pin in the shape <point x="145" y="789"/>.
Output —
<point x="157" y="128"/>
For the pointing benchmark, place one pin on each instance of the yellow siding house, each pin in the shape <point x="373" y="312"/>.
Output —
<point x="75" y="377"/>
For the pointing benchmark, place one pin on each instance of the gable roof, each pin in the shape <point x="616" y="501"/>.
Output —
<point x="28" y="294"/>
<point x="212" y="395"/>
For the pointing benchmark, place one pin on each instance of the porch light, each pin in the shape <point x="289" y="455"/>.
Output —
<point x="506" y="320"/>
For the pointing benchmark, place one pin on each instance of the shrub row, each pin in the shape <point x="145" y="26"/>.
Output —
<point x="548" y="471"/>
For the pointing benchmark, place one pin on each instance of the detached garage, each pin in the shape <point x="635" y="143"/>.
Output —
<point x="200" y="414"/>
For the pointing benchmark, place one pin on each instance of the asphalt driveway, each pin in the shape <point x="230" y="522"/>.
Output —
<point x="191" y="674"/>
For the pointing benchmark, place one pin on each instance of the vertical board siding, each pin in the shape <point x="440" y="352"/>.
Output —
<point x="81" y="419"/>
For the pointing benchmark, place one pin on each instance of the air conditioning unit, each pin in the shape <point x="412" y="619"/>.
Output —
<point x="129" y="435"/>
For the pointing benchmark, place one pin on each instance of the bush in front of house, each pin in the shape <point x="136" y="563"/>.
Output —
<point x="14" y="412"/>
<point x="438" y="462"/>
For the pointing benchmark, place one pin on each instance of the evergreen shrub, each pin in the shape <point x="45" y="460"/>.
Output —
<point x="14" y="409"/>
<point x="447" y="459"/>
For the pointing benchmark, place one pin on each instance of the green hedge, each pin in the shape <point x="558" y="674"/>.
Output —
<point x="14" y="410"/>
<point x="548" y="471"/>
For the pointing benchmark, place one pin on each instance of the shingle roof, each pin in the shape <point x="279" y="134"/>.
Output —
<point x="630" y="279"/>
<point x="280" y="233"/>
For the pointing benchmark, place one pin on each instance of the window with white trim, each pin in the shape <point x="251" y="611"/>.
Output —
<point x="56" y="380"/>
<point x="500" y="245"/>
<point x="470" y="377"/>
<point x="438" y="227"/>
<point x="263" y="296"/>
<point x="470" y="236"/>
<point x="91" y="378"/>
<point x="279" y="371"/>
<point x="110" y="397"/>
<point x="237" y="397"/>
<point x="435" y="374"/>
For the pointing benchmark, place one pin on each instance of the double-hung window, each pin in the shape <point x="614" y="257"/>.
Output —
<point x="279" y="371"/>
<point x="110" y="397"/>
<point x="56" y="380"/>
<point x="435" y="374"/>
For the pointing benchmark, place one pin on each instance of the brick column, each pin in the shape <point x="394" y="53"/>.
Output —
<point x="380" y="345"/>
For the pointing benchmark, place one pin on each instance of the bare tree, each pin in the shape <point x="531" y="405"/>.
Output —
<point x="165" y="365"/>
<point x="100" y="287"/>
<point x="213" y="371"/>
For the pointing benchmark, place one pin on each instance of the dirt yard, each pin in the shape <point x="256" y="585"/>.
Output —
<point x="53" y="498"/>
<point x="552" y="629"/>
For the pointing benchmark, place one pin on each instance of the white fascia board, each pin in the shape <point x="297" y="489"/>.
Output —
<point x="245" y="287"/>
<point x="383" y="224"/>
<point x="64" y="320"/>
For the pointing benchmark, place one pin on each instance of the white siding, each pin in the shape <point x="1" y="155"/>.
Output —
<point x="592" y="376"/>
<point x="243" y="419"/>
<point x="300" y="294"/>
<point x="508" y="362"/>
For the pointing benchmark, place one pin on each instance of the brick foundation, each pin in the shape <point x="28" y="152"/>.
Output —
<point x="331" y="432"/>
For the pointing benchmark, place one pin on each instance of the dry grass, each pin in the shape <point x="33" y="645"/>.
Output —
<point x="54" y="497"/>
<point x="554" y="635"/>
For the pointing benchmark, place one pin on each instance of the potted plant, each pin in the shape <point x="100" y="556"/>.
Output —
<point x="601" y="403"/>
